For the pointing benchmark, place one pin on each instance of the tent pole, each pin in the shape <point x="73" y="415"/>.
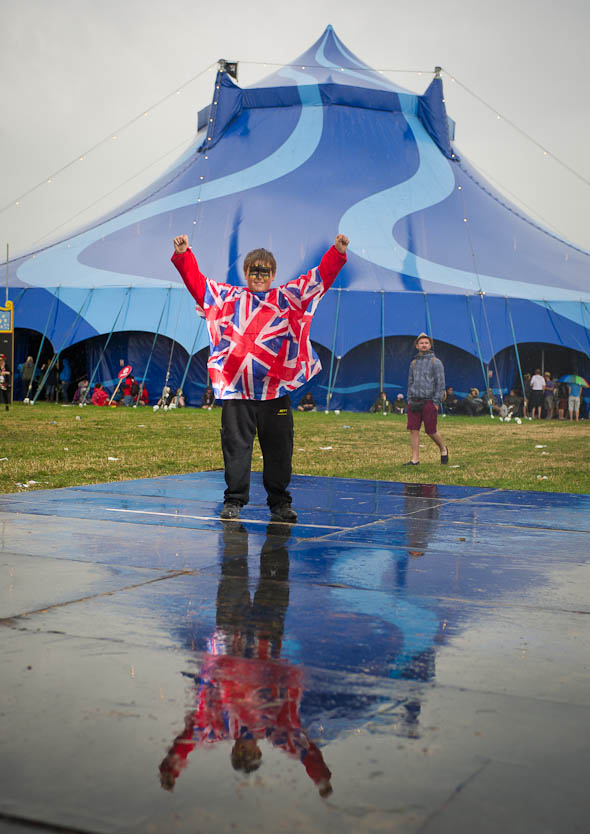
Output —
<point x="338" y="358"/>
<point x="184" y="376"/>
<point x="329" y="394"/>
<point x="173" y="345"/>
<point x="101" y="357"/>
<point x="55" y="300"/>
<point x="515" y="345"/>
<point x="22" y="292"/>
<point x="428" y="321"/>
<point x="156" y="334"/>
<point x="485" y="315"/>
<point x="57" y="355"/>
<point x="583" y="310"/>
<point x="485" y="379"/>
<point x="382" y="365"/>
<point x="550" y="310"/>
<point x="431" y="334"/>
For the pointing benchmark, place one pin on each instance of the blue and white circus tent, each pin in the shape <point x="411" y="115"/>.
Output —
<point x="323" y="145"/>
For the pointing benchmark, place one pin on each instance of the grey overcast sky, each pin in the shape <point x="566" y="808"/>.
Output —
<point x="73" y="71"/>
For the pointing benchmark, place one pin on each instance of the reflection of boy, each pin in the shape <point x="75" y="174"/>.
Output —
<point x="247" y="692"/>
<point x="259" y="352"/>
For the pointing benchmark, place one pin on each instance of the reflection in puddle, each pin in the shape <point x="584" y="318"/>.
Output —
<point x="422" y="513"/>
<point x="247" y="692"/>
<point x="358" y="650"/>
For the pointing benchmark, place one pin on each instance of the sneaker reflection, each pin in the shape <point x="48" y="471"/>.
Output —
<point x="247" y="693"/>
<point x="422" y="513"/>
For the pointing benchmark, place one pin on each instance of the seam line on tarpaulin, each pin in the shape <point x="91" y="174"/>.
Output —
<point x="45" y="608"/>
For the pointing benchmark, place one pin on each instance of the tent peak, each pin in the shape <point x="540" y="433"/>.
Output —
<point x="329" y="61"/>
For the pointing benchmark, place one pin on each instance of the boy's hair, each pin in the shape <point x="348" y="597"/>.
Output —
<point x="260" y="256"/>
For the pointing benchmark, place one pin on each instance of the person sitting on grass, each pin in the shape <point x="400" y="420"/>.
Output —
<point x="81" y="392"/>
<point x="142" y="397"/>
<point x="399" y="405"/>
<point x="208" y="398"/>
<point x="259" y="351"/>
<point x="451" y="401"/>
<point x="512" y="406"/>
<point x="472" y="405"/>
<point x="381" y="405"/>
<point x="307" y="403"/>
<point x="165" y="398"/>
<point x="99" y="395"/>
<point x="178" y="400"/>
<point x="489" y="399"/>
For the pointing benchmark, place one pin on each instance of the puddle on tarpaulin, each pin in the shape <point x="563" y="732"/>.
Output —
<point x="277" y="686"/>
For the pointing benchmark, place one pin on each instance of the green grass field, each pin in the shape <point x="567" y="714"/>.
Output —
<point x="59" y="446"/>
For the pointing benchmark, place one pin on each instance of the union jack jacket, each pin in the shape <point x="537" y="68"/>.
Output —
<point x="259" y="341"/>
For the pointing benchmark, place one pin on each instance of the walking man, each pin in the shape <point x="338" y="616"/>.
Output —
<point x="426" y="386"/>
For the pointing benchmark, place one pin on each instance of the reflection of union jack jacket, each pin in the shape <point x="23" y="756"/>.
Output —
<point x="247" y="697"/>
<point x="259" y="341"/>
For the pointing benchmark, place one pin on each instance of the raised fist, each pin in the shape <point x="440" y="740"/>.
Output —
<point x="180" y="244"/>
<point x="341" y="243"/>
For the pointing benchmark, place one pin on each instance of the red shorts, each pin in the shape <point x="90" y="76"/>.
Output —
<point x="428" y="415"/>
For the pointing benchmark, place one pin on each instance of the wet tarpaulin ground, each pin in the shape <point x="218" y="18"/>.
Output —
<point x="408" y="658"/>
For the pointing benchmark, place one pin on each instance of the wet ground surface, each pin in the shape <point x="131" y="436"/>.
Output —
<point x="407" y="658"/>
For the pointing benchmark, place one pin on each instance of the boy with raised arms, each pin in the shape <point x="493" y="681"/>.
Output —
<point x="260" y="351"/>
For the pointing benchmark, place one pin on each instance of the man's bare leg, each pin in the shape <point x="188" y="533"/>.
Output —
<point x="415" y="442"/>
<point x="436" y="438"/>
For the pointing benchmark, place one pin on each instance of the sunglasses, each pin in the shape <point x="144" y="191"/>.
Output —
<point x="259" y="271"/>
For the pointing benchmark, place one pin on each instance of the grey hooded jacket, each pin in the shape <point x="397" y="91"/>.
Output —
<point x="426" y="380"/>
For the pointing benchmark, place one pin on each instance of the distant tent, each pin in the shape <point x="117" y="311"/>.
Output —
<point x="325" y="144"/>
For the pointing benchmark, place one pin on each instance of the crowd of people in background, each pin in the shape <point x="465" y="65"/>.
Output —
<point x="51" y="381"/>
<point x="544" y="397"/>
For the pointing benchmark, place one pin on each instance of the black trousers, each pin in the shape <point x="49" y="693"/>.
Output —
<point x="273" y="420"/>
<point x="264" y="616"/>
